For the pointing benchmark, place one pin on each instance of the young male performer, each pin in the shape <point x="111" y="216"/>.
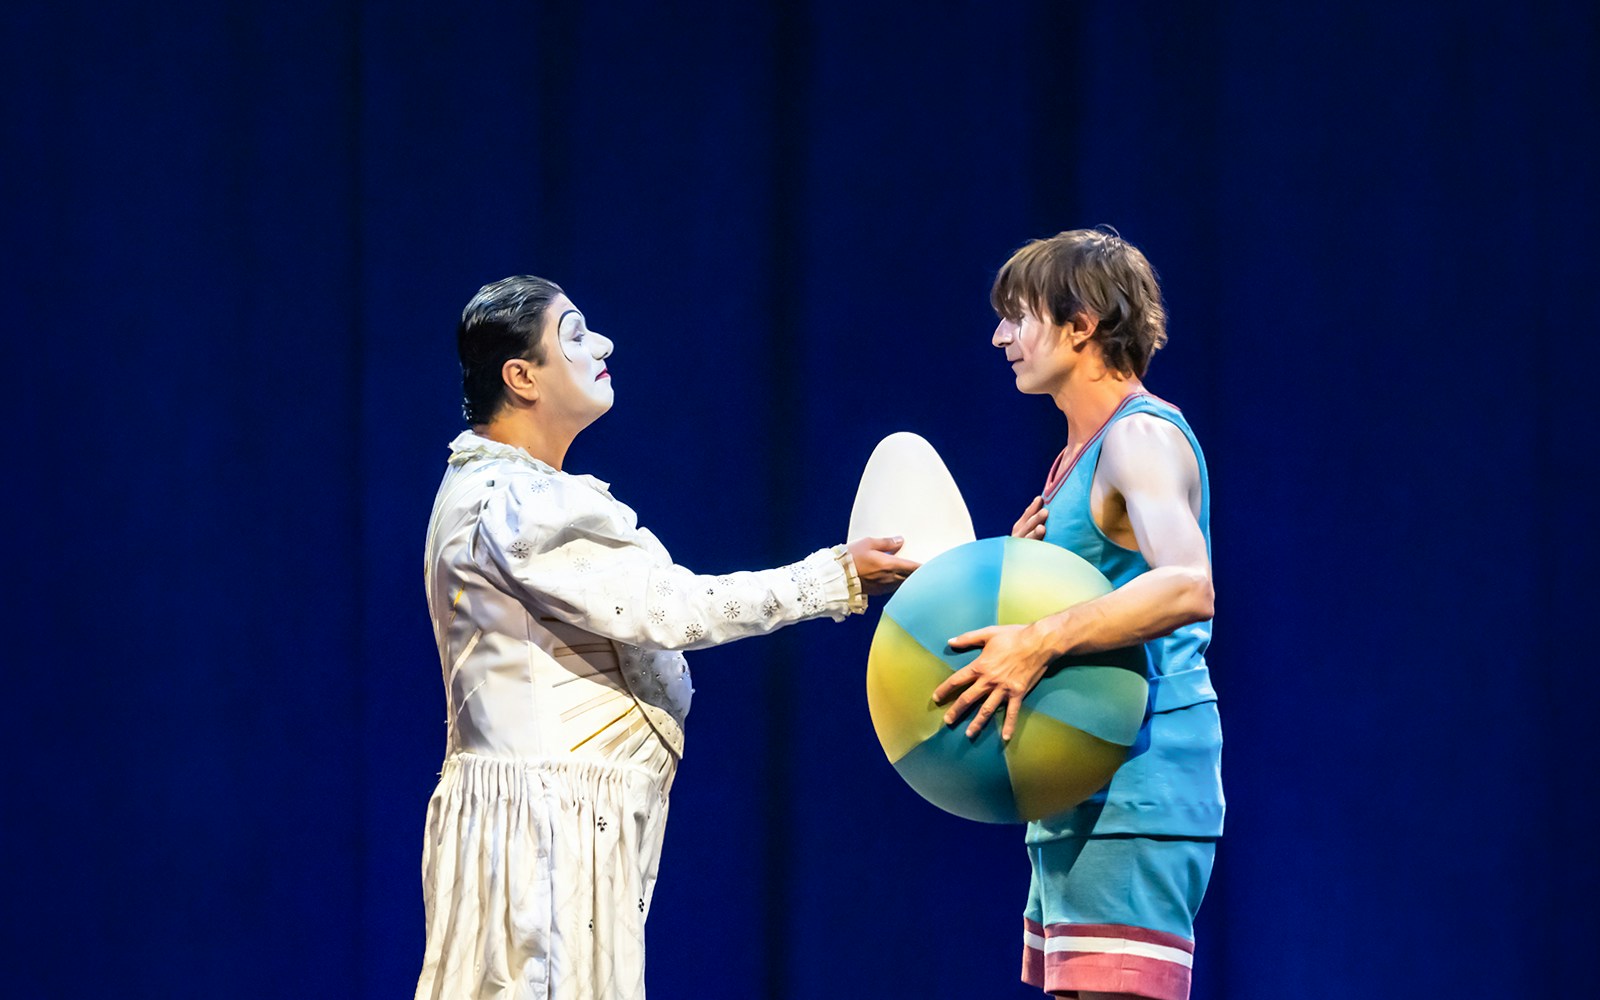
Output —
<point x="1117" y="881"/>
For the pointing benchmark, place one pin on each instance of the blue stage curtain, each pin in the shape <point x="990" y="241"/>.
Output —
<point x="237" y="239"/>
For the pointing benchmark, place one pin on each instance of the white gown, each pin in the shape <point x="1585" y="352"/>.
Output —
<point x="559" y="623"/>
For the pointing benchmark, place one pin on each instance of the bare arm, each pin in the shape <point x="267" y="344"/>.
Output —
<point x="1147" y="461"/>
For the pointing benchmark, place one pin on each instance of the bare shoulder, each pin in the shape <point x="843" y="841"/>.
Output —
<point x="1150" y="464"/>
<point x="1143" y="446"/>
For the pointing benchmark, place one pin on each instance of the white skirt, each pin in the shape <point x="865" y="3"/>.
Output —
<point x="537" y="877"/>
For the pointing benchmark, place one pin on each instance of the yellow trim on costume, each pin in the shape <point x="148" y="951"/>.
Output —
<point x="603" y="728"/>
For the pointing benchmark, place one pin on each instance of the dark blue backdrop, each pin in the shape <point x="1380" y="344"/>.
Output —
<point x="237" y="237"/>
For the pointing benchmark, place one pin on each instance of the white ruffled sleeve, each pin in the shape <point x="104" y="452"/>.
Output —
<point x="575" y="553"/>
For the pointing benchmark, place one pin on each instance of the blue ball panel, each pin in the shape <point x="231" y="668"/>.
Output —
<point x="952" y="593"/>
<point x="966" y="777"/>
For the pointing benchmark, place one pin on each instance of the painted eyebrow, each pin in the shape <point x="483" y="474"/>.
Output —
<point x="562" y="320"/>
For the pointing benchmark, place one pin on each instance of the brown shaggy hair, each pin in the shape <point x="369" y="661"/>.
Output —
<point x="1093" y="272"/>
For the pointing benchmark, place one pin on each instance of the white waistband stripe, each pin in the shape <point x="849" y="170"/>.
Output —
<point x="1114" y="946"/>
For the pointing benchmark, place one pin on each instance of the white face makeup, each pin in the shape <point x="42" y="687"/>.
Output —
<point x="578" y="342"/>
<point x="583" y="354"/>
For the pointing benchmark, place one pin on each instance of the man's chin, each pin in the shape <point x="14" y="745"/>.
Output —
<point x="600" y="409"/>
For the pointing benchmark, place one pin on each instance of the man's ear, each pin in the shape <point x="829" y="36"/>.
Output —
<point x="1079" y="329"/>
<point x="521" y="379"/>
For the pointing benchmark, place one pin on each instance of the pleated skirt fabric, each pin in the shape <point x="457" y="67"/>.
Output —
<point x="537" y="877"/>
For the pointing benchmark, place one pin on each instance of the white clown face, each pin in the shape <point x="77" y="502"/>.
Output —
<point x="576" y="382"/>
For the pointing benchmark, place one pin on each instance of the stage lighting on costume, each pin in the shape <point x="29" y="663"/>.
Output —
<point x="1075" y="727"/>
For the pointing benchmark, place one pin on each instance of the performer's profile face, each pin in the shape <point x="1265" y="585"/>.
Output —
<point x="1030" y="343"/>
<point x="577" y="378"/>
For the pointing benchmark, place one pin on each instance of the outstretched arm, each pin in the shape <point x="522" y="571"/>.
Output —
<point x="1149" y="462"/>
<point x="563" y="551"/>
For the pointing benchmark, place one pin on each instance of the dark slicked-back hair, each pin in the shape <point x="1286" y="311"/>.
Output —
<point x="1095" y="272"/>
<point x="503" y="321"/>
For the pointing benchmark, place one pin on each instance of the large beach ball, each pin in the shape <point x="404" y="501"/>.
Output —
<point x="1075" y="727"/>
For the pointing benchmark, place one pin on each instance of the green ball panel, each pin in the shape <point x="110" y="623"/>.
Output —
<point x="1055" y="767"/>
<point x="1105" y="702"/>
<point x="901" y="676"/>
<point x="966" y="777"/>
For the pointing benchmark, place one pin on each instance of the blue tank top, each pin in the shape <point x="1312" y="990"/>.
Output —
<point x="1171" y="784"/>
<point x="1175" y="664"/>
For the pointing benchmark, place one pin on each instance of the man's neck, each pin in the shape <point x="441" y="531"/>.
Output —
<point x="549" y="445"/>
<point x="1089" y="398"/>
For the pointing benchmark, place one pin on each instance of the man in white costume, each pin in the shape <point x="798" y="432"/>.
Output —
<point x="559" y="623"/>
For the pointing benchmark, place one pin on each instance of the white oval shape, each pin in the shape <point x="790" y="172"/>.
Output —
<point x="906" y="490"/>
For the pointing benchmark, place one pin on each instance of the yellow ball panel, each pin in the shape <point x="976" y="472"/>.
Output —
<point x="1054" y="766"/>
<point x="1039" y="579"/>
<point x="901" y="676"/>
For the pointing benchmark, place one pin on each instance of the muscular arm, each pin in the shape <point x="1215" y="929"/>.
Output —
<point x="1148" y="462"/>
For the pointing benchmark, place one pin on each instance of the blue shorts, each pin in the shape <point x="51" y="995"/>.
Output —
<point x="1114" y="914"/>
